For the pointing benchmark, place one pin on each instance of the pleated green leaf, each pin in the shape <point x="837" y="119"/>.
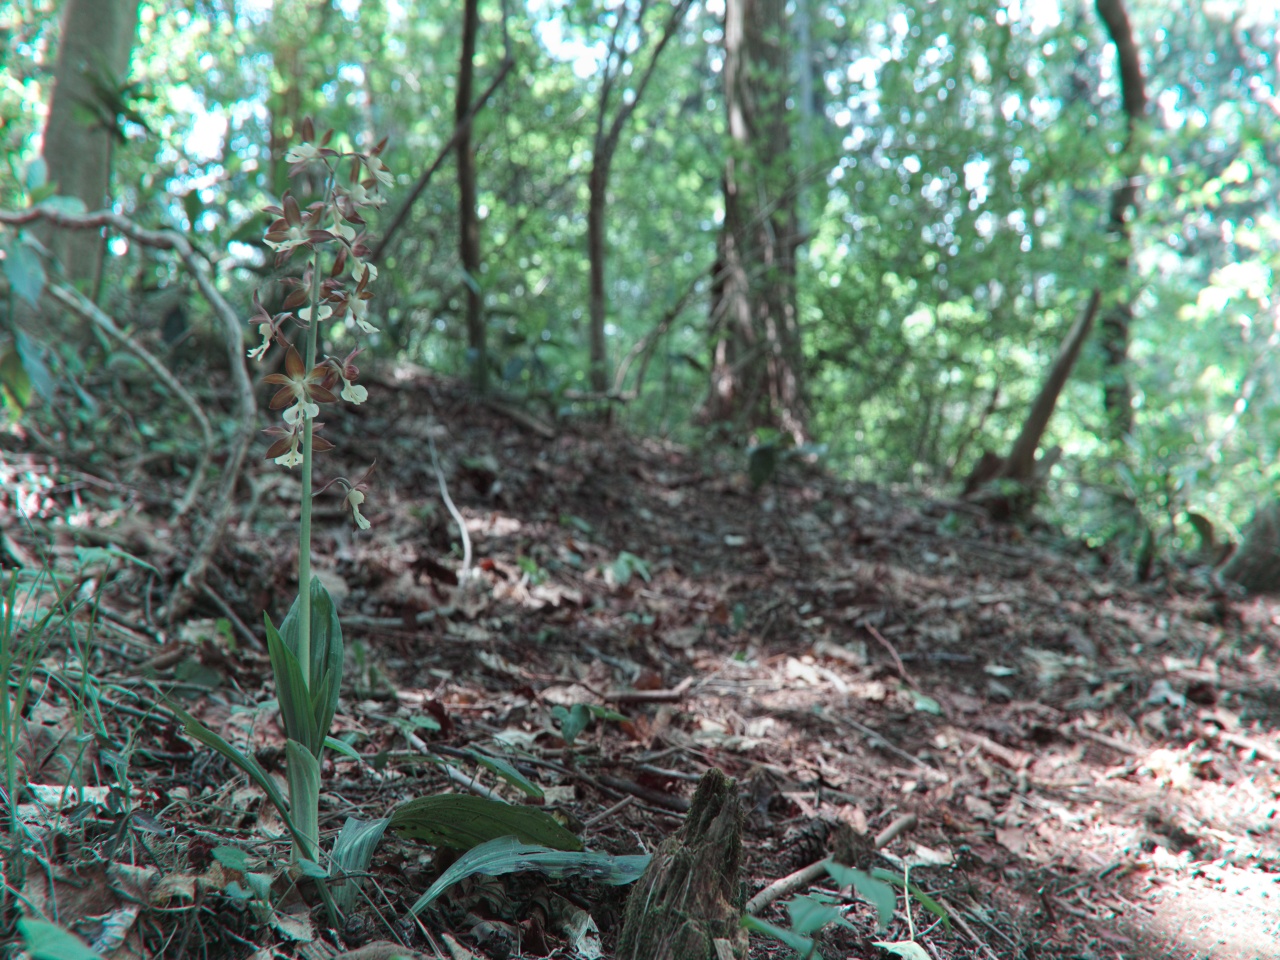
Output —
<point x="461" y="822"/>
<point x="303" y="771"/>
<point x="509" y="855"/>
<point x="291" y="691"/>
<point x="352" y="853"/>
<point x="326" y="656"/>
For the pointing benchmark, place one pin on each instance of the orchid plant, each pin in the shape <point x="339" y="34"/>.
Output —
<point x="306" y="650"/>
<point x="336" y="287"/>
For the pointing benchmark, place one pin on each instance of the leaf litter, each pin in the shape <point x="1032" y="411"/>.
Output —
<point x="1091" y="762"/>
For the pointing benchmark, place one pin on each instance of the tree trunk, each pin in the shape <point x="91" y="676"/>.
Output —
<point x="756" y="352"/>
<point x="93" y="58"/>
<point x="688" y="905"/>
<point x="1020" y="465"/>
<point x="597" y="184"/>
<point x="605" y="146"/>
<point x="1256" y="564"/>
<point x="1116" y="320"/>
<point x="468" y="221"/>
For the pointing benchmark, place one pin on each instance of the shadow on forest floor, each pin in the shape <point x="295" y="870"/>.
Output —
<point x="1093" y="765"/>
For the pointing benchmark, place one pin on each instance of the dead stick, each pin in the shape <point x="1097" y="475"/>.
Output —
<point x="806" y="875"/>
<point x="650" y="696"/>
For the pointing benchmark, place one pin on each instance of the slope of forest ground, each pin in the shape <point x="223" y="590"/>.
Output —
<point x="1092" y="764"/>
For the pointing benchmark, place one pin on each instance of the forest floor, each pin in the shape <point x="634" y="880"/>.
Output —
<point x="1093" y="765"/>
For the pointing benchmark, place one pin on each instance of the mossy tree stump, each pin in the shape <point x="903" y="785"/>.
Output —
<point x="688" y="904"/>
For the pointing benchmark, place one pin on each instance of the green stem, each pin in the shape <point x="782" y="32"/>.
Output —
<point x="304" y="527"/>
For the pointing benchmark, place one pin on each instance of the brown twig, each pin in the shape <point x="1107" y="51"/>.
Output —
<point x="606" y="814"/>
<point x="789" y="884"/>
<point x="650" y="696"/>
<point x="897" y="660"/>
<point x="656" y="797"/>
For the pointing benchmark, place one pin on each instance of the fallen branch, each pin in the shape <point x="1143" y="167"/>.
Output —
<point x="806" y="875"/>
<point x="651" y="696"/>
<point x="220" y="511"/>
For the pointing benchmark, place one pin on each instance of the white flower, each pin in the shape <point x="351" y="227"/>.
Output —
<point x="291" y="458"/>
<point x="325" y="313"/>
<point x="257" y="353"/>
<point x="379" y="170"/>
<point x="361" y="196"/>
<point x="354" y="499"/>
<point x="361" y="269"/>
<point x="353" y="392"/>
<point x="302" y="153"/>
<point x="301" y="409"/>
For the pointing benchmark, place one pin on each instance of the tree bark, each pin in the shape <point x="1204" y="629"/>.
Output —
<point x="1118" y="317"/>
<point x="96" y="45"/>
<point x="1020" y="465"/>
<point x="688" y="904"/>
<point x="605" y="146"/>
<point x="468" y="221"/>
<point x="756" y="371"/>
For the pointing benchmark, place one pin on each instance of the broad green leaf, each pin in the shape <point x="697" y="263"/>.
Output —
<point x="907" y="949"/>
<point x="37" y="173"/>
<point x="509" y="855"/>
<point x="461" y="822"/>
<point x="507" y="772"/>
<point x="925" y="704"/>
<point x="802" y="945"/>
<point x="14" y="381"/>
<point x="303" y="772"/>
<point x="48" y="941"/>
<point x="879" y="895"/>
<point x="233" y="858"/>
<point x="71" y="206"/>
<point x="311" y="869"/>
<point x="926" y="901"/>
<point x="32" y="357"/>
<point x="291" y="691"/>
<point x="326" y="654"/>
<point x="25" y="271"/>
<point x="808" y="915"/>
<point x="352" y="853"/>
<point x="604" y="713"/>
<point x="573" y="720"/>
<point x="762" y="463"/>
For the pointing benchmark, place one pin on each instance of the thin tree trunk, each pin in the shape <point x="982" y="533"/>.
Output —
<point x="597" y="185"/>
<point x="756" y="350"/>
<point x="468" y="221"/>
<point x="97" y="42"/>
<point x="1118" y="317"/>
<point x="605" y="146"/>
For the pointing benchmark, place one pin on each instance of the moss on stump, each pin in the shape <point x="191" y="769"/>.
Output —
<point x="688" y="904"/>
